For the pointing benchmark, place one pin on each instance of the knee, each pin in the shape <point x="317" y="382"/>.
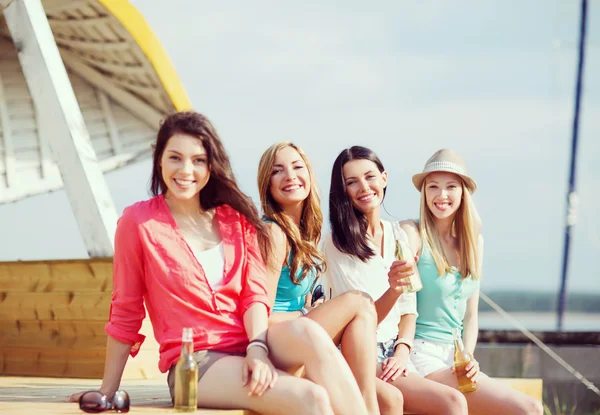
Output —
<point x="391" y="402"/>
<point x="315" y="400"/>
<point x="533" y="407"/>
<point x="310" y="333"/>
<point x="361" y="302"/>
<point x="456" y="403"/>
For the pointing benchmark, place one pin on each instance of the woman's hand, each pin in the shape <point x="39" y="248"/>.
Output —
<point x="400" y="271"/>
<point x="258" y="373"/>
<point x="75" y="397"/>
<point x="392" y="368"/>
<point x="472" y="369"/>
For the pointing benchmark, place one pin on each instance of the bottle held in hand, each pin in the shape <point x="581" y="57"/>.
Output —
<point x="403" y="251"/>
<point x="186" y="376"/>
<point x="461" y="359"/>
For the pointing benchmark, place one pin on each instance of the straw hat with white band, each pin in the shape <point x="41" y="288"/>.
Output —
<point x="448" y="161"/>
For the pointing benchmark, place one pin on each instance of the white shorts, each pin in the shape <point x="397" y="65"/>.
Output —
<point x="429" y="357"/>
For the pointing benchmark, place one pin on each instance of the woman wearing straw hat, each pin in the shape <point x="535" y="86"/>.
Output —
<point x="448" y="241"/>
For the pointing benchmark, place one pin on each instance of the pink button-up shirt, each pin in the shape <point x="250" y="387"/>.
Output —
<point x="154" y="264"/>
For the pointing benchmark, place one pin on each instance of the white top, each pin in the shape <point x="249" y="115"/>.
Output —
<point x="345" y="273"/>
<point x="212" y="261"/>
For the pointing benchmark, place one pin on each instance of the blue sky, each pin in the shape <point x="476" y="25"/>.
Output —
<point x="493" y="80"/>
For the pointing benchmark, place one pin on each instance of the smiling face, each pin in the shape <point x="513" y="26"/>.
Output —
<point x="184" y="166"/>
<point x="290" y="178"/>
<point x="365" y="184"/>
<point x="443" y="194"/>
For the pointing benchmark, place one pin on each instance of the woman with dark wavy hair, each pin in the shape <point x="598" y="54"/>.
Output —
<point x="291" y="206"/>
<point x="360" y="253"/>
<point x="191" y="255"/>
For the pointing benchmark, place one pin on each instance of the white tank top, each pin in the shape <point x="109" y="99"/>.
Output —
<point x="213" y="263"/>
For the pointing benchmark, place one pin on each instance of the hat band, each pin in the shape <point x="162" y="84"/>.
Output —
<point x="444" y="166"/>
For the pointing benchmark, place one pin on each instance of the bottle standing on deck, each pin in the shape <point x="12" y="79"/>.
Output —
<point x="461" y="359"/>
<point x="186" y="375"/>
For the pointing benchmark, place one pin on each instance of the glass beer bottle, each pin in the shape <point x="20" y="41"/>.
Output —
<point x="186" y="376"/>
<point x="461" y="360"/>
<point x="403" y="251"/>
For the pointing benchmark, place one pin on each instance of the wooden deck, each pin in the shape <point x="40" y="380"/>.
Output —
<point x="37" y="396"/>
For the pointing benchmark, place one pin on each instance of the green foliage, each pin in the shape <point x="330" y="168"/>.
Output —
<point x="559" y="408"/>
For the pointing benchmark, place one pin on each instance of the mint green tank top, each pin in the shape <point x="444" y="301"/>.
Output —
<point x="442" y="302"/>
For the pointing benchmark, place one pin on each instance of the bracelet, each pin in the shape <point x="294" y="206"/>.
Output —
<point x="402" y="340"/>
<point x="304" y="311"/>
<point x="259" y="343"/>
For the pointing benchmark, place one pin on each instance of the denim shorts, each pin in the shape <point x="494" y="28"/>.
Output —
<point x="386" y="350"/>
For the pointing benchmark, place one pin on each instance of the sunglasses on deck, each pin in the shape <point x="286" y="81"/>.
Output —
<point x="95" y="402"/>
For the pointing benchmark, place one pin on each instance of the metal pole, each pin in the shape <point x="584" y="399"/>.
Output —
<point x="572" y="195"/>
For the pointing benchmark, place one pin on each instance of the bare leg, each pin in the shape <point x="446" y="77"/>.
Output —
<point x="221" y="387"/>
<point x="351" y="320"/>
<point x="390" y="399"/>
<point x="492" y="397"/>
<point x="298" y="342"/>
<point x="426" y="397"/>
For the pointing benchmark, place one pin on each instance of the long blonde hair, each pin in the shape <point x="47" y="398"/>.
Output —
<point x="304" y="239"/>
<point x="465" y="229"/>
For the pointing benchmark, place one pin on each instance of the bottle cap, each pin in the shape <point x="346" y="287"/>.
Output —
<point x="187" y="335"/>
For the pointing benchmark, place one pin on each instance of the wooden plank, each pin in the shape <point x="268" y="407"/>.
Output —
<point x="111" y="124"/>
<point x="45" y="396"/>
<point x="136" y="106"/>
<point x="87" y="363"/>
<point x="78" y="334"/>
<point x="54" y="306"/>
<point x="56" y="277"/>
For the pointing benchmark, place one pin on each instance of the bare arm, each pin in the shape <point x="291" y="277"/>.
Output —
<point x="117" y="354"/>
<point x="471" y="321"/>
<point x="406" y="330"/>
<point x="256" y="322"/>
<point x="385" y="303"/>
<point x="274" y="264"/>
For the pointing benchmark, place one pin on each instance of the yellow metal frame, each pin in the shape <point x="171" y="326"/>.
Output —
<point x="136" y="25"/>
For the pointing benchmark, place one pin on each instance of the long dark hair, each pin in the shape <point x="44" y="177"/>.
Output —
<point x="222" y="188"/>
<point x="348" y="224"/>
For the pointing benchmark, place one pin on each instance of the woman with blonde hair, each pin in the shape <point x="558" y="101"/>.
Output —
<point x="291" y="207"/>
<point x="448" y="241"/>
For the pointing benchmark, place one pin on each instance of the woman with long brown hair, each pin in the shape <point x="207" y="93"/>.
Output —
<point x="191" y="256"/>
<point x="291" y="207"/>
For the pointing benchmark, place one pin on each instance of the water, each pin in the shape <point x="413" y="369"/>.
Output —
<point x="540" y="321"/>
